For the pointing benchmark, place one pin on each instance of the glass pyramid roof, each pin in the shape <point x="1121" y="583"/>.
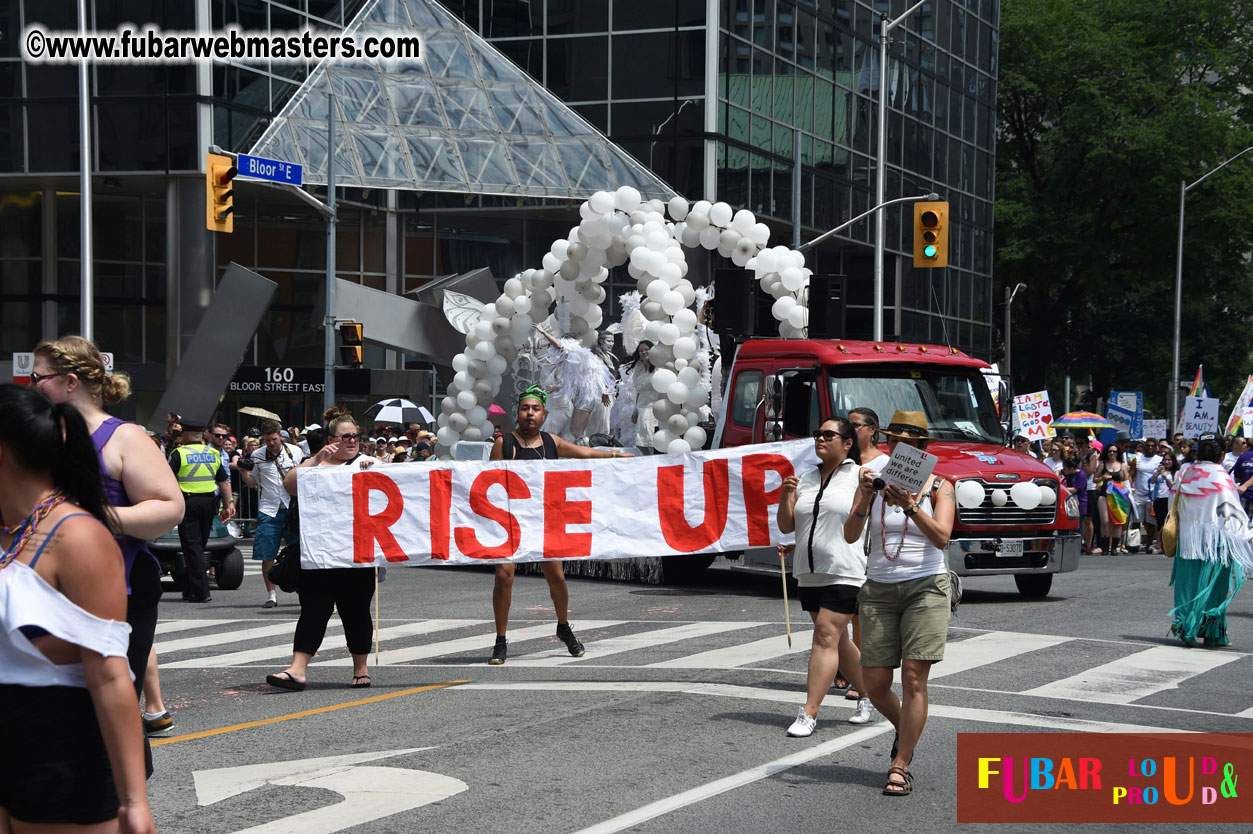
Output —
<point x="465" y="120"/>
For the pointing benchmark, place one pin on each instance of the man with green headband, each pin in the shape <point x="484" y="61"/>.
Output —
<point x="527" y="442"/>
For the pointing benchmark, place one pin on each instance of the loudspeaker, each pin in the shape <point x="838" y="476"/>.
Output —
<point x="735" y="302"/>
<point x="826" y="306"/>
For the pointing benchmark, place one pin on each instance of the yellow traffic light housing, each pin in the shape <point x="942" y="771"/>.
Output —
<point x="930" y="234"/>
<point x="352" y="343"/>
<point x="219" y="171"/>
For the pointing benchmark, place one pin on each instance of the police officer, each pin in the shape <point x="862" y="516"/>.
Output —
<point x="200" y="473"/>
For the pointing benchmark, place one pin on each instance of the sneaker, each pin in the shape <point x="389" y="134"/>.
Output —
<point x="566" y="635"/>
<point x="864" y="712"/>
<point x="499" y="652"/>
<point x="803" y="726"/>
<point x="271" y="601"/>
<point x="159" y="725"/>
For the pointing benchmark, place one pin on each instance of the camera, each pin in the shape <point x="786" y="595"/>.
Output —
<point x="246" y="463"/>
<point x="878" y="484"/>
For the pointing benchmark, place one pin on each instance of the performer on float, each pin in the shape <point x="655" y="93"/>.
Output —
<point x="577" y="377"/>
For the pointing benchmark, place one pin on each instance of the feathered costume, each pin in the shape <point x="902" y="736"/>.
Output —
<point x="577" y="378"/>
<point x="1214" y="553"/>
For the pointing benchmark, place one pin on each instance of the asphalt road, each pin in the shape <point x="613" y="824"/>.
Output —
<point x="673" y="722"/>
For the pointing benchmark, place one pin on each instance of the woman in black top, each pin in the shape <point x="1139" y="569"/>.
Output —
<point x="527" y="442"/>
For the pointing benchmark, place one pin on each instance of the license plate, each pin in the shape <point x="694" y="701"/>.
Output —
<point x="1010" y="547"/>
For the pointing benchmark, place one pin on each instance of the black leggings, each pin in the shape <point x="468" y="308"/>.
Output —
<point x="347" y="589"/>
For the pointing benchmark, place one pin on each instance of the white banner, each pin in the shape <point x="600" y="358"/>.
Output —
<point x="466" y="513"/>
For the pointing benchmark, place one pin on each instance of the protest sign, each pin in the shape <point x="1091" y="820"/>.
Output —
<point x="1236" y="419"/>
<point x="1133" y="403"/>
<point x="1122" y="419"/>
<point x="465" y="513"/>
<point x="1155" y="429"/>
<point x="908" y="467"/>
<point x="1200" y="415"/>
<point x="1246" y="421"/>
<point x="1034" y="416"/>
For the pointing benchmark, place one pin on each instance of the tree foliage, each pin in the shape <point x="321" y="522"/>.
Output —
<point x="1105" y="106"/>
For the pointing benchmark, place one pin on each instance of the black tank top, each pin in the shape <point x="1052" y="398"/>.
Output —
<point x="511" y="449"/>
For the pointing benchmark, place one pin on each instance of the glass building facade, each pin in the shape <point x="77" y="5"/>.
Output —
<point x="713" y="105"/>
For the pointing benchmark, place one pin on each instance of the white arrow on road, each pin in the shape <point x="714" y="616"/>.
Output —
<point x="369" y="793"/>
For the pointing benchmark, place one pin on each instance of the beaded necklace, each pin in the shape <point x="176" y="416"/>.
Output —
<point x="26" y="529"/>
<point x="883" y="532"/>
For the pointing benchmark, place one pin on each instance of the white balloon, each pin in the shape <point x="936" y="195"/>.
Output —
<point x="760" y="233"/>
<point x="678" y="446"/>
<point x="522" y="324"/>
<point x="745" y="249"/>
<point x="483" y="330"/>
<point x="1026" y="495"/>
<point x="485" y="350"/>
<point x="497" y="365"/>
<point x="513" y="288"/>
<point x="472" y="434"/>
<point x="668" y="334"/>
<point x="969" y="494"/>
<point x="446" y="436"/>
<point x="697" y="221"/>
<point x="560" y="249"/>
<point x="685" y="320"/>
<point x="690" y="238"/>
<point x="459" y="362"/>
<point x="695" y="437"/>
<point x="792" y="278"/>
<point x="663" y="378"/>
<point x="657" y="290"/>
<point x="1047" y="496"/>
<point x="684" y="347"/>
<point x="696" y="397"/>
<point x="767" y="262"/>
<point x="670" y="273"/>
<point x="798" y="317"/>
<point x="652" y="311"/>
<point x="672" y="303"/>
<point x="720" y="214"/>
<point x="678" y="208"/>
<point x="463" y="379"/>
<point x="447" y="405"/>
<point x="663" y="410"/>
<point x="542" y="280"/>
<point x="476" y="415"/>
<point x="577" y="251"/>
<point x="458" y="421"/>
<point x="504" y="306"/>
<point x="522" y="304"/>
<point x="677" y="392"/>
<point x="782" y="307"/>
<point x="729" y="239"/>
<point x="626" y="199"/>
<point x="689" y="376"/>
<point x="652" y="330"/>
<point x="1000" y="497"/>
<point x="661" y="439"/>
<point x="601" y="202"/>
<point x="500" y="326"/>
<point x="541" y="300"/>
<point x="677" y="424"/>
<point x="659" y="355"/>
<point x="466" y="400"/>
<point x="709" y="237"/>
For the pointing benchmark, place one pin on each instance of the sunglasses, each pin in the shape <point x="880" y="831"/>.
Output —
<point x="829" y="435"/>
<point x="35" y="378"/>
<point x="223" y="436"/>
<point x="349" y="438"/>
<point x="857" y="426"/>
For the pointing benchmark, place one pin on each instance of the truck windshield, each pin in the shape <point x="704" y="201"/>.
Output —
<point x="957" y="402"/>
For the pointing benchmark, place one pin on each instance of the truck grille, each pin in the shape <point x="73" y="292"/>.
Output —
<point x="989" y="515"/>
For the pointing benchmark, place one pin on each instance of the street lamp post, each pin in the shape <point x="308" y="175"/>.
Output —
<point x="1009" y="300"/>
<point x="885" y="28"/>
<point x="1184" y="188"/>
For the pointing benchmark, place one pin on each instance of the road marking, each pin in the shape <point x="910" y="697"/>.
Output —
<point x="597" y="649"/>
<point x="1135" y="676"/>
<point x="247" y="725"/>
<point x="171" y="626"/>
<point x="478" y="643"/>
<point x="204" y="641"/>
<point x="281" y="650"/>
<point x="985" y="649"/>
<point x="728" y="783"/>
<point x="743" y="654"/>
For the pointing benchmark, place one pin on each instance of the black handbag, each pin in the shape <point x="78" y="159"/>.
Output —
<point x="285" y="572"/>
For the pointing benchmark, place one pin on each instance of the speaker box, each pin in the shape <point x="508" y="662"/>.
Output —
<point x="735" y="302"/>
<point x="826" y="306"/>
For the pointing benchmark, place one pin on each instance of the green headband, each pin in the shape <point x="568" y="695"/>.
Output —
<point x="534" y="392"/>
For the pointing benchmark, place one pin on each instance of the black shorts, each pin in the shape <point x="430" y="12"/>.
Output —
<point x="1094" y="508"/>
<point x="842" y="599"/>
<point x="63" y="773"/>
<point x="1161" y="506"/>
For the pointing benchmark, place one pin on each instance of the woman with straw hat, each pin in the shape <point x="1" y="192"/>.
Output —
<point x="904" y="605"/>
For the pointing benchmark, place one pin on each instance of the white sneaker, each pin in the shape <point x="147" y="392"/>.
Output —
<point x="803" y="726"/>
<point x="864" y="712"/>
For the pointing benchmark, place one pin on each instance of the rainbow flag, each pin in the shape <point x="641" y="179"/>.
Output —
<point x="1118" y="499"/>
<point x="1245" y="398"/>
<point x="1199" y="388"/>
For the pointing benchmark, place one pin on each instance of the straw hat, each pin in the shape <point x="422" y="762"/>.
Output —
<point x="907" y="425"/>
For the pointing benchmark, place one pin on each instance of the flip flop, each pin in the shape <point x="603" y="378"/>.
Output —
<point x="902" y="788"/>
<point x="357" y="681"/>
<point x="852" y="695"/>
<point x="284" y="680"/>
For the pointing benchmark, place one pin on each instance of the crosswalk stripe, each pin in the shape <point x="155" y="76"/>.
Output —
<point x="481" y="644"/>
<point x="283" y="649"/>
<point x="597" y="649"/>
<point x="986" y="649"/>
<point x="733" y="657"/>
<point x="1135" y="676"/>
<point x="204" y="641"/>
<point x="171" y="626"/>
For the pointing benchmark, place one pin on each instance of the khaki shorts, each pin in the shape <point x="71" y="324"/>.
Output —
<point x="903" y="620"/>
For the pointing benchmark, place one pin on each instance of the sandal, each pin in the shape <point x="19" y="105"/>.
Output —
<point x="357" y="681"/>
<point x="284" y="680"/>
<point x="902" y="788"/>
<point x="841" y="682"/>
<point x="852" y="695"/>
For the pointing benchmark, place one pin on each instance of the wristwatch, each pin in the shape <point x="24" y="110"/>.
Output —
<point x="912" y="511"/>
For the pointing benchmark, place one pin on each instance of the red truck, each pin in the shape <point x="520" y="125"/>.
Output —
<point x="784" y="389"/>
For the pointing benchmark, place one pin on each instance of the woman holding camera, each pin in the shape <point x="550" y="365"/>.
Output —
<point x="904" y="605"/>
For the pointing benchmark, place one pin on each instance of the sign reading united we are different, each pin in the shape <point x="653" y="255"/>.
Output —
<point x="908" y="467"/>
<point x="528" y="511"/>
<point x="1034" y="416"/>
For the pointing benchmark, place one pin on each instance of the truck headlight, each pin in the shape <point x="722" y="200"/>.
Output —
<point x="1072" y="506"/>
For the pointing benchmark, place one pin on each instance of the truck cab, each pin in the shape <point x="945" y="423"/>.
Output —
<point x="784" y="389"/>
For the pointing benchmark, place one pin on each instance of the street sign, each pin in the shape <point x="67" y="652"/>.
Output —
<point x="274" y="170"/>
<point x="108" y="361"/>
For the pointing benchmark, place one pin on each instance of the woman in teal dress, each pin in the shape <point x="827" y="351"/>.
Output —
<point x="1214" y="554"/>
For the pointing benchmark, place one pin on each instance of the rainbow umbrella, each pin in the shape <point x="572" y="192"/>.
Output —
<point x="1082" y="420"/>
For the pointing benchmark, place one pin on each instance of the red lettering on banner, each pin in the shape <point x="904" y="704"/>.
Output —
<point x="757" y="501"/>
<point x="441" y="512"/>
<point x="368" y="529"/>
<point x="516" y="488"/>
<point x="560" y="512"/>
<point x="670" y="502"/>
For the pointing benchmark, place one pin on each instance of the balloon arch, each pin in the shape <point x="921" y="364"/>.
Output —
<point x="618" y="228"/>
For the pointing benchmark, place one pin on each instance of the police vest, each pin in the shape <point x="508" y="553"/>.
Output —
<point x="198" y="468"/>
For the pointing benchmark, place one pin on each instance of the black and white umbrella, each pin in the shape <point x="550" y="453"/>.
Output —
<point x="401" y="412"/>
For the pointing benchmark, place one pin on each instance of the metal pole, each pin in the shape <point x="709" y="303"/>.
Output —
<point x="1066" y="409"/>
<point x="796" y="188"/>
<point x="328" y="376"/>
<point x="1174" y="368"/>
<point x="820" y="238"/>
<point x="1009" y="299"/>
<point x="87" y="288"/>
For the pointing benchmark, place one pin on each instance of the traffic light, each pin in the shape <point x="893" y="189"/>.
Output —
<point x="351" y="344"/>
<point x="219" y="196"/>
<point x="931" y="234"/>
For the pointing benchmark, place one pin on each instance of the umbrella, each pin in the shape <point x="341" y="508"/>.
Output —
<point x="257" y="411"/>
<point x="398" y="411"/>
<point x="1082" y="420"/>
<point x="494" y="409"/>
